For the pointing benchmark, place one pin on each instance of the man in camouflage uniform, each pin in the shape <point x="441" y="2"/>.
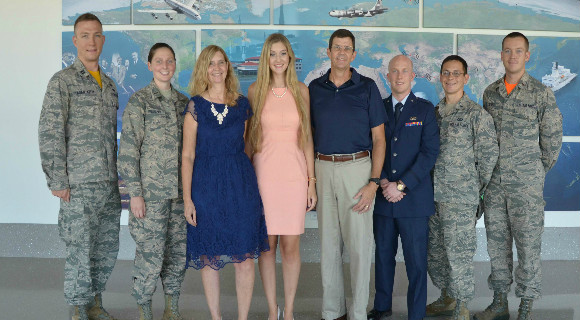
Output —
<point x="467" y="156"/>
<point x="77" y="137"/>
<point x="528" y="124"/>
<point x="149" y="162"/>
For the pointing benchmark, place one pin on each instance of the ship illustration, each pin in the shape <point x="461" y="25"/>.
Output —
<point x="559" y="77"/>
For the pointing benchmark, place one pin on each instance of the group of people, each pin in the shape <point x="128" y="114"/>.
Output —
<point x="222" y="178"/>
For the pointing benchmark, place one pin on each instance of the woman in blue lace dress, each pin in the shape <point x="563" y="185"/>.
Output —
<point x="220" y="190"/>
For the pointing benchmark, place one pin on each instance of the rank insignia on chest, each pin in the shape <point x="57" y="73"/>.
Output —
<point x="413" y="124"/>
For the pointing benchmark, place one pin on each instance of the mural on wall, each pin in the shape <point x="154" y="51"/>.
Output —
<point x="386" y="13"/>
<point x="201" y="11"/>
<point x="553" y="59"/>
<point x="562" y="187"/>
<point x="554" y="62"/>
<point x="560" y="15"/>
<point x="374" y="50"/>
<point x="124" y="59"/>
<point x="108" y="11"/>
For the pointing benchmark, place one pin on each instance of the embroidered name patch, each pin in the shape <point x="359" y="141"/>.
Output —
<point x="413" y="124"/>
<point x="79" y="92"/>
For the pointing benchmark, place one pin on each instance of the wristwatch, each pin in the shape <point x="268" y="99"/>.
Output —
<point x="400" y="185"/>
<point x="375" y="180"/>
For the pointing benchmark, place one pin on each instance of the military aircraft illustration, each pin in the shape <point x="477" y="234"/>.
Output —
<point x="190" y="8"/>
<point x="355" y="13"/>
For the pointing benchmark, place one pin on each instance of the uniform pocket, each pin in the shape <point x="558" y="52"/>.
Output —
<point x="73" y="222"/>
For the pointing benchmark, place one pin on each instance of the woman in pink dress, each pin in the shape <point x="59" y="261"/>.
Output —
<point x="280" y="141"/>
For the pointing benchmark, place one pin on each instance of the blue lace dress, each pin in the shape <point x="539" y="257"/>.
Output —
<point x="230" y="216"/>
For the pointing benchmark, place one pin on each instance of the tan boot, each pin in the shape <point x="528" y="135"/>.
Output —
<point x="497" y="310"/>
<point x="461" y="312"/>
<point x="96" y="310"/>
<point x="444" y="306"/>
<point x="525" y="310"/>
<point x="145" y="312"/>
<point x="79" y="313"/>
<point x="172" y="308"/>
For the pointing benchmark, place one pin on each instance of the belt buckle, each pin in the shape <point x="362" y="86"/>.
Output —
<point x="333" y="158"/>
<point x="353" y="156"/>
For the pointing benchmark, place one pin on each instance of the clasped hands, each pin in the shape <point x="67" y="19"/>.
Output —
<point x="390" y="191"/>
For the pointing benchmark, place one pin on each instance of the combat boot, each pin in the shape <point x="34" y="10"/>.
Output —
<point x="145" y="312"/>
<point x="172" y="308"/>
<point x="525" y="310"/>
<point x="79" y="313"/>
<point x="461" y="312"/>
<point x="444" y="306"/>
<point x="96" y="310"/>
<point x="497" y="310"/>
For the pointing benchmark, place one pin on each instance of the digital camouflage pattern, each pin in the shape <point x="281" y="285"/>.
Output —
<point x="89" y="227"/>
<point x="150" y="148"/>
<point x="77" y="132"/>
<point x="77" y="135"/>
<point x="150" y="162"/>
<point x="468" y="152"/>
<point x="451" y="247"/>
<point x="161" y="238"/>
<point x="528" y="124"/>
<point x="467" y="156"/>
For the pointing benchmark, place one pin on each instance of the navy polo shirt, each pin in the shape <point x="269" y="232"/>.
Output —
<point x="342" y="117"/>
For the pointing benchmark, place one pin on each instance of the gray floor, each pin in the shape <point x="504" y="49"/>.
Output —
<point x="31" y="280"/>
<point x="31" y="288"/>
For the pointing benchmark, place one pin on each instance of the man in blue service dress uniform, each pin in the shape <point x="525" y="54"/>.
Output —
<point x="405" y="200"/>
<point x="348" y="121"/>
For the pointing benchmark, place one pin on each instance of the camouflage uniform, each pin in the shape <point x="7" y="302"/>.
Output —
<point x="77" y="135"/>
<point x="529" y="131"/>
<point x="149" y="162"/>
<point x="466" y="159"/>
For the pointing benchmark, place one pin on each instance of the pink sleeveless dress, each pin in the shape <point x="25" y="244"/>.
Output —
<point x="281" y="166"/>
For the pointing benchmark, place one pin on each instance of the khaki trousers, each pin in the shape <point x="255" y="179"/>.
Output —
<point x="339" y="227"/>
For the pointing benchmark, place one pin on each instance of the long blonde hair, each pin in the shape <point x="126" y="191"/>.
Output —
<point x="199" y="81"/>
<point x="262" y="88"/>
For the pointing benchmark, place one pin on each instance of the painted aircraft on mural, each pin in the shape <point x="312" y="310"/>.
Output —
<point x="190" y="8"/>
<point x="355" y="13"/>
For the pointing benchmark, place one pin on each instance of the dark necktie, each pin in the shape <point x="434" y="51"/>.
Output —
<point x="398" y="108"/>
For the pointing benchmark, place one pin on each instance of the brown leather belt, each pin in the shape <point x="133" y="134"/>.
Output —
<point x="343" y="157"/>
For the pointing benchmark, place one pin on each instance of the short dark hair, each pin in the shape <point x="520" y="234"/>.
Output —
<point x="156" y="46"/>
<point x="516" y="34"/>
<point x="87" y="17"/>
<point x="454" y="57"/>
<point x="341" y="33"/>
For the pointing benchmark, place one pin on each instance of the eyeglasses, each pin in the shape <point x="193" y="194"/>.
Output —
<point x="454" y="73"/>
<point x="341" y="48"/>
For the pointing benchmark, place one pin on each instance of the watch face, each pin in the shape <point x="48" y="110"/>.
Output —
<point x="400" y="187"/>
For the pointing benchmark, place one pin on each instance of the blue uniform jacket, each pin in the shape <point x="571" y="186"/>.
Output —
<point x="412" y="149"/>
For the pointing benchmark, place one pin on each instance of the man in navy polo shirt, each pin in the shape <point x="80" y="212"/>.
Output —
<point x="349" y="140"/>
<point x="405" y="202"/>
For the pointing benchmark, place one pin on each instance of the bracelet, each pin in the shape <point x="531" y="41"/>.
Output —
<point x="313" y="179"/>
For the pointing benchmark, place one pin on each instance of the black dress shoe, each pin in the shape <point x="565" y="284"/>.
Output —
<point x="379" y="315"/>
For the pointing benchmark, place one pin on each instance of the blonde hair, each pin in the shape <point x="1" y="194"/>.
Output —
<point x="262" y="88"/>
<point x="199" y="81"/>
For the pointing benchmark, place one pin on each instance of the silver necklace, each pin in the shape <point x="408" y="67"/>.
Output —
<point x="279" y="96"/>
<point x="220" y="116"/>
